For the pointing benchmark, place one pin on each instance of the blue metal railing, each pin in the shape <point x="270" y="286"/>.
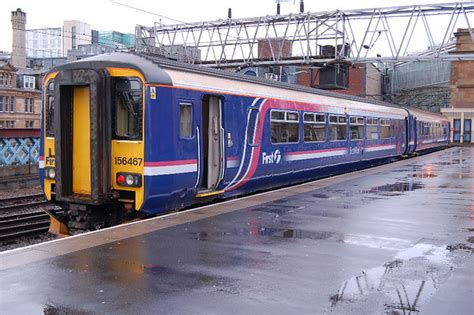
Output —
<point x="19" y="151"/>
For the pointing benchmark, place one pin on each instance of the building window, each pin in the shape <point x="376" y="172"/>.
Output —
<point x="29" y="124"/>
<point x="73" y="36"/>
<point x="356" y="128"/>
<point x="9" y="124"/>
<point x="284" y="126"/>
<point x="185" y="120"/>
<point x="1" y="123"/>
<point x="337" y="128"/>
<point x="12" y="104"/>
<point x="372" y="129"/>
<point x="314" y="127"/>
<point x="29" y="82"/>
<point x="1" y="104"/>
<point x="6" y="104"/>
<point x="29" y="105"/>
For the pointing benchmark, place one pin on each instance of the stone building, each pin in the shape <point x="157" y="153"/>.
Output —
<point x="20" y="97"/>
<point x="461" y="106"/>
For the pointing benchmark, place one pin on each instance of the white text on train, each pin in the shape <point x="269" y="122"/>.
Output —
<point x="271" y="158"/>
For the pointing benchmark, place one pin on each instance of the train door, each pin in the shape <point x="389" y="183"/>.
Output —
<point x="415" y="134"/>
<point x="81" y="141"/>
<point x="457" y="130"/>
<point x="406" y="128"/>
<point x="467" y="130"/>
<point x="212" y="145"/>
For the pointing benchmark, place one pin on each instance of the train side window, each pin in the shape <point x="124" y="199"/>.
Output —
<point x="314" y="127"/>
<point x="185" y="120"/>
<point x="385" y="128"/>
<point x="284" y="126"/>
<point x="337" y="128"/>
<point x="372" y="129"/>
<point x="425" y="129"/>
<point x="356" y="128"/>
<point x="128" y="105"/>
<point x="50" y="110"/>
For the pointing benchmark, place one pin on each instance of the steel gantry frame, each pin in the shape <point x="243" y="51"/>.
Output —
<point x="363" y="35"/>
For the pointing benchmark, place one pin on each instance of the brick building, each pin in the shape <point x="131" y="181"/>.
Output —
<point x="20" y="97"/>
<point x="363" y="80"/>
<point x="461" y="110"/>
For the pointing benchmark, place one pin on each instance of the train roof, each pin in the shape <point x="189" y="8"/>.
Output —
<point x="120" y="60"/>
<point x="156" y="71"/>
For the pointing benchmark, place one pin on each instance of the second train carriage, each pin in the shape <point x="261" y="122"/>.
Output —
<point x="122" y="132"/>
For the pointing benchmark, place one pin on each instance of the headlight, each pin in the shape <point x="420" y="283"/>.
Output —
<point x="50" y="173"/>
<point x="129" y="179"/>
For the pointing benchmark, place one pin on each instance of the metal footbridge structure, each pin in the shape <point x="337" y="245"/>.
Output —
<point x="388" y="35"/>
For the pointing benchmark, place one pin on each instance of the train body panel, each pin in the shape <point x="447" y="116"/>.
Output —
<point x="174" y="168"/>
<point x="164" y="136"/>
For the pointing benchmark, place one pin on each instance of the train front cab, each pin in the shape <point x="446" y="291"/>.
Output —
<point x="92" y="154"/>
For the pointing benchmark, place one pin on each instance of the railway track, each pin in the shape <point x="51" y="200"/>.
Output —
<point x="19" y="217"/>
<point x="20" y="202"/>
<point x="19" y="178"/>
<point x="23" y="224"/>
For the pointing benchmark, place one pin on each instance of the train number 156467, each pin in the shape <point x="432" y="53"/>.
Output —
<point x="121" y="160"/>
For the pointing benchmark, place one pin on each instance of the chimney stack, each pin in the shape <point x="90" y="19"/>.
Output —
<point x="18" y="42"/>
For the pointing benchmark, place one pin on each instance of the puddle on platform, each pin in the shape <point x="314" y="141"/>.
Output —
<point x="49" y="309"/>
<point x="284" y="200"/>
<point x="321" y="196"/>
<point x="297" y="234"/>
<point x="404" y="285"/>
<point x="394" y="189"/>
<point x="277" y="209"/>
<point x="450" y="162"/>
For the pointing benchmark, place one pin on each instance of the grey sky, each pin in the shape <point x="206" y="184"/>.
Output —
<point x="103" y="15"/>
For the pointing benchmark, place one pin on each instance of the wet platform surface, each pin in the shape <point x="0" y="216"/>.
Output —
<point x="397" y="240"/>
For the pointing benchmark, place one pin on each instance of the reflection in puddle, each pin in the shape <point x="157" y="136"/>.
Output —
<point x="423" y="175"/>
<point x="394" y="189"/>
<point x="403" y="284"/>
<point x="460" y="246"/>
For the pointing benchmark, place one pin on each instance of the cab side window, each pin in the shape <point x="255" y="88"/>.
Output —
<point x="185" y="120"/>
<point x="127" y="104"/>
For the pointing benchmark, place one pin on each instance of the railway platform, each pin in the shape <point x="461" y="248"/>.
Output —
<point x="394" y="239"/>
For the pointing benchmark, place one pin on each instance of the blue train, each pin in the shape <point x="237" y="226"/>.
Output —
<point x="125" y="134"/>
